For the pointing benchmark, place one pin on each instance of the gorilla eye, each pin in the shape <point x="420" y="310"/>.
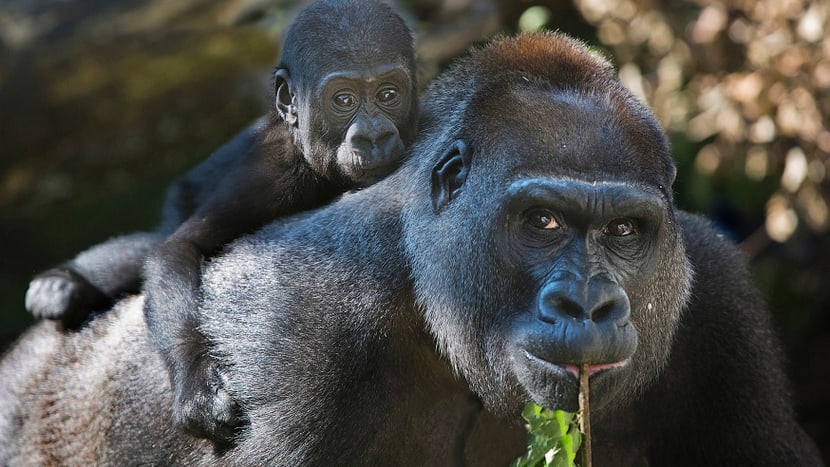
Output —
<point x="542" y="219"/>
<point x="620" y="227"/>
<point x="388" y="95"/>
<point x="345" y="101"/>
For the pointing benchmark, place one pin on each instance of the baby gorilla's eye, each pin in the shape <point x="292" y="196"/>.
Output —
<point x="620" y="227"/>
<point x="388" y="95"/>
<point x="345" y="101"/>
<point x="542" y="219"/>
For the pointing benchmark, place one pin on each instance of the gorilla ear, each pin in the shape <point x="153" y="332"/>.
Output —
<point x="449" y="174"/>
<point x="286" y="100"/>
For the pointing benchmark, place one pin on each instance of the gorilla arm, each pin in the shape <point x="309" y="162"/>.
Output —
<point x="92" y="280"/>
<point x="267" y="183"/>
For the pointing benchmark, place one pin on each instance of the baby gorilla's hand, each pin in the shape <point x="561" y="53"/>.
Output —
<point x="63" y="294"/>
<point x="204" y="407"/>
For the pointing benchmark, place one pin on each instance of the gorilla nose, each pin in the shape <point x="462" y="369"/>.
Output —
<point x="599" y="301"/>
<point x="386" y="141"/>
<point x="361" y="143"/>
<point x="365" y="142"/>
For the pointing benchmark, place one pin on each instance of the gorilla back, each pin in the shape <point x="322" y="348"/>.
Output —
<point x="410" y="322"/>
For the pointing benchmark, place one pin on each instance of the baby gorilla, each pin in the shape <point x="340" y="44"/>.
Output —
<point x="346" y="105"/>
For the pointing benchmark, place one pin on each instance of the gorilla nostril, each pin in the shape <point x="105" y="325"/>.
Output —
<point x="384" y="142"/>
<point x="384" y="138"/>
<point x="615" y="307"/>
<point x="556" y="303"/>
<point x="361" y="142"/>
<point x="604" y="312"/>
<point x="568" y="308"/>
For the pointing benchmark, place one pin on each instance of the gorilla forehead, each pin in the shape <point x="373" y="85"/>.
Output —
<point x="323" y="37"/>
<point x="588" y="134"/>
<point x="544" y="104"/>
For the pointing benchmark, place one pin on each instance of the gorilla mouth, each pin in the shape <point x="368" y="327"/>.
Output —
<point x="596" y="368"/>
<point x="556" y="385"/>
<point x="368" y="173"/>
<point x="573" y="370"/>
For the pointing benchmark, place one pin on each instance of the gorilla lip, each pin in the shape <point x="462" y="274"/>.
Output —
<point x="595" y="368"/>
<point x="574" y="369"/>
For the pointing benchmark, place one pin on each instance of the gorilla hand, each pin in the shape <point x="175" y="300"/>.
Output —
<point x="204" y="407"/>
<point x="63" y="294"/>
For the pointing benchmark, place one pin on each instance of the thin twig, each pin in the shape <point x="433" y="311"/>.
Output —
<point x="585" y="411"/>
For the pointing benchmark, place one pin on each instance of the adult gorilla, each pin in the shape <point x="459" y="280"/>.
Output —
<point x="533" y="232"/>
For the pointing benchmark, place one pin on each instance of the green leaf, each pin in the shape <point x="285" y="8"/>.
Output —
<point x="553" y="439"/>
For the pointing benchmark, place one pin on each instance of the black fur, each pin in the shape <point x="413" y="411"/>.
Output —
<point x="410" y="322"/>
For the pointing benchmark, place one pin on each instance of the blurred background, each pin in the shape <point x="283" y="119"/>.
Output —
<point x="104" y="102"/>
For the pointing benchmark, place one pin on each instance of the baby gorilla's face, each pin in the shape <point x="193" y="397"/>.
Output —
<point x="354" y="122"/>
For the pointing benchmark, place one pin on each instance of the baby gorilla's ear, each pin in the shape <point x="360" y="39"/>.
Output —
<point x="285" y="99"/>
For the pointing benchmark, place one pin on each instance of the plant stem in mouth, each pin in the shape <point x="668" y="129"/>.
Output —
<point x="585" y="412"/>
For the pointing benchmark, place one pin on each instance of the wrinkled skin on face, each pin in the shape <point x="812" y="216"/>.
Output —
<point x="353" y="121"/>
<point x="585" y="246"/>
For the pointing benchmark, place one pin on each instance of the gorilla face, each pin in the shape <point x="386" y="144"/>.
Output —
<point x="353" y="121"/>
<point x="583" y="245"/>
<point x="365" y="109"/>
<point x="347" y="87"/>
<point x="555" y="251"/>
